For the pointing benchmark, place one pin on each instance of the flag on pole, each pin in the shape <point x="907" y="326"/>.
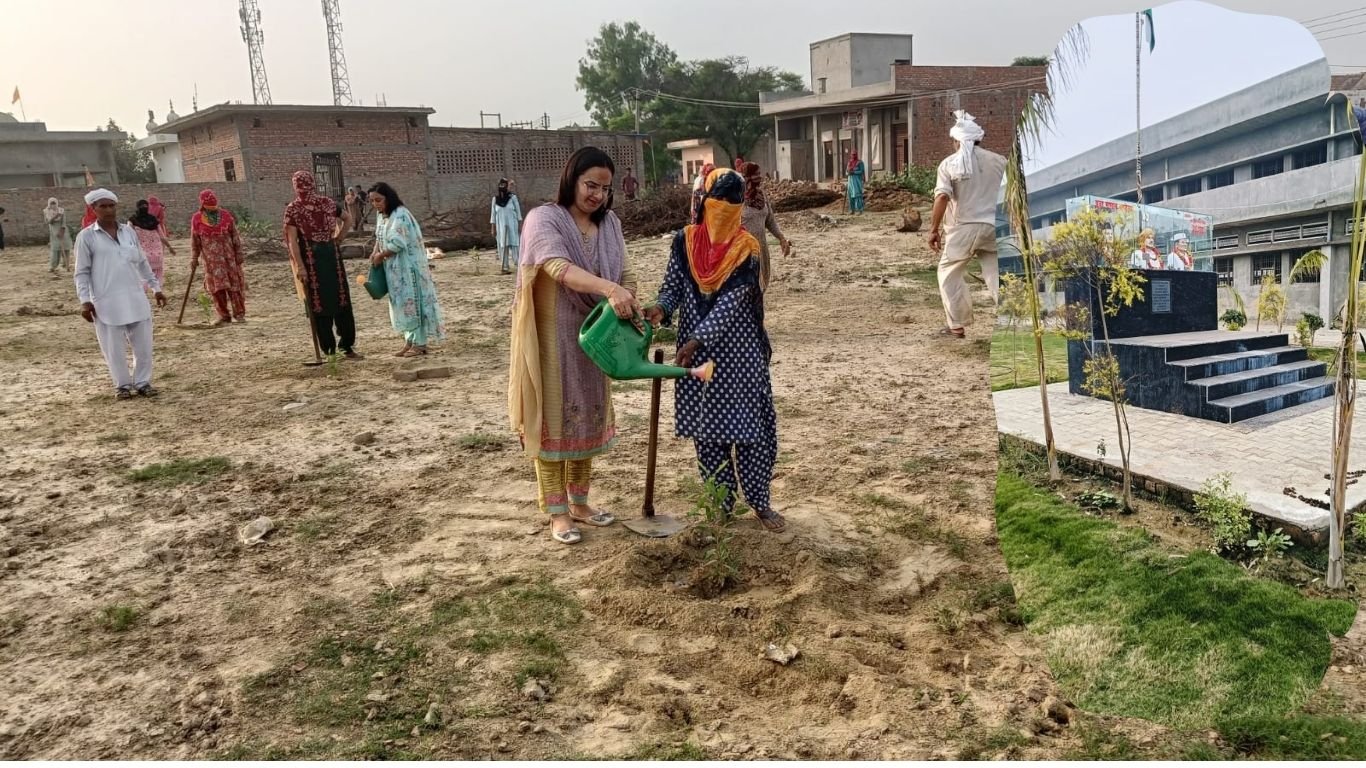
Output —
<point x="15" y="100"/>
<point x="1148" y="27"/>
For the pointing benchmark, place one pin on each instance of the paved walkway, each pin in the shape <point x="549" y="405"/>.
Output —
<point x="1263" y="455"/>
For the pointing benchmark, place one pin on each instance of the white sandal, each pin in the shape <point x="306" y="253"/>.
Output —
<point x="571" y="536"/>
<point x="598" y="519"/>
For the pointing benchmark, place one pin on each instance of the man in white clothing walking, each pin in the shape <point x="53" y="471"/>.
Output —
<point x="967" y="187"/>
<point x="110" y="272"/>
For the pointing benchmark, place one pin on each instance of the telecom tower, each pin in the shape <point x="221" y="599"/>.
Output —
<point x="251" y="34"/>
<point x="341" y="82"/>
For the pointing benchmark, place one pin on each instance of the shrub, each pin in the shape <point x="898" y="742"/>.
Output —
<point x="1225" y="512"/>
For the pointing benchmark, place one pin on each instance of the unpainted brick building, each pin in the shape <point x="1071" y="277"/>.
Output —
<point x="868" y="97"/>
<point x="248" y="153"/>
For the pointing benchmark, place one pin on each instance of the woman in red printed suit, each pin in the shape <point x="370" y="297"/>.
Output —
<point x="214" y="240"/>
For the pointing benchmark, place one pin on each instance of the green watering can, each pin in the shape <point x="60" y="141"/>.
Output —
<point x="620" y="349"/>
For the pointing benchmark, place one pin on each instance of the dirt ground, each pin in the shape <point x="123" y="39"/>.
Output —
<point x="409" y="598"/>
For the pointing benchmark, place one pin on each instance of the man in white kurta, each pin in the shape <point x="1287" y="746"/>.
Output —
<point x="965" y="193"/>
<point x="110" y="272"/>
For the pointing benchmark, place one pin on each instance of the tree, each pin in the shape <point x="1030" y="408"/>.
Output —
<point x="1346" y="391"/>
<point x="627" y="69"/>
<point x="1093" y="249"/>
<point x="1036" y="119"/>
<point x="133" y="166"/>
<point x="619" y="59"/>
<point x="1030" y="61"/>
<point x="719" y="100"/>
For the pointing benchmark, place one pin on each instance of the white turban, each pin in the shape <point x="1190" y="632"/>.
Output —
<point x="967" y="132"/>
<point x="96" y="195"/>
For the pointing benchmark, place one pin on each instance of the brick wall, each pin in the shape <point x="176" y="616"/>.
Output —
<point x="321" y="130"/>
<point x="373" y="148"/>
<point x="23" y="217"/>
<point x="356" y="163"/>
<point x="948" y="88"/>
<point x="203" y="149"/>
<point x="469" y="161"/>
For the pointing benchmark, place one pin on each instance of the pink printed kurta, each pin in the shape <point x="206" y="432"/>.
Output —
<point x="150" y="240"/>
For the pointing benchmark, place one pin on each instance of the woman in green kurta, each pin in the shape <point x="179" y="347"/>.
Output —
<point x="413" y="306"/>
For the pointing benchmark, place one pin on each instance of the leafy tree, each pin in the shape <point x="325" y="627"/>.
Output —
<point x="713" y="98"/>
<point x="1093" y="248"/>
<point x="134" y="167"/>
<point x="1030" y="61"/>
<point x="626" y="67"/>
<point x="621" y="58"/>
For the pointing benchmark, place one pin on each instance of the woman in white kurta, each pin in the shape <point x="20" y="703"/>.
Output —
<point x="506" y="218"/>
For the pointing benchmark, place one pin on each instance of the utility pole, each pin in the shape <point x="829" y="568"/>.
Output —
<point x="250" y="16"/>
<point x="341" y="81"/>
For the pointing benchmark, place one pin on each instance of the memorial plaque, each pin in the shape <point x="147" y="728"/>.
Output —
<point x="1162" y="297"/>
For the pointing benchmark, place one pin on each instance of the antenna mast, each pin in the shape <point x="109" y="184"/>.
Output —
<point x="250" y="15"/>
<point x="341" y="81"/>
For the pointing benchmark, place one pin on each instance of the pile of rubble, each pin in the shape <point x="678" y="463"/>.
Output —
<point x="788" y="196"/>
<point x="883" y="198"/>
<point x="458" y="230"/>
<point x="657" y="212"/>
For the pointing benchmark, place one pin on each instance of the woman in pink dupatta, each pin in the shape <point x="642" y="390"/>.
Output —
<point x="573" y="255"/>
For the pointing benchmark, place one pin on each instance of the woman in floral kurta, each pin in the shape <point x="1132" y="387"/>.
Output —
<point x="214" y="240"/>
<point x="413" y="307"/>
<point x="151" y="237"/>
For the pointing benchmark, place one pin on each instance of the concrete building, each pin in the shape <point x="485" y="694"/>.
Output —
<point x="695" y="153"/>
<point x="1274" y="166"/>
<point x="868" y="96"/>
<point x="33" y="156"/>
<point x="166" y="160"/>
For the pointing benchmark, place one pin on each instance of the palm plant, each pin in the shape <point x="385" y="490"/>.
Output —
<point x="1346" y="391"/>
<point x="1036" y="120"/>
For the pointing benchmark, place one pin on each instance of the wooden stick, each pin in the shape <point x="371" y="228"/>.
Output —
<point x="194" y="267"/>
<point x="301" y="285"/>
<point x="655" y="385"/>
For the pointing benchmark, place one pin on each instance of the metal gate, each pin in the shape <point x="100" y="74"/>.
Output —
<point x="327" y="170"/>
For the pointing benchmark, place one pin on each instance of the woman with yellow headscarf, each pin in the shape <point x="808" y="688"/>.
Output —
<point x="712" y="283"/>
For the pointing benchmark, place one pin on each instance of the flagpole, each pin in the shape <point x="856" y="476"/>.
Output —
<point x="1138" y="105"/>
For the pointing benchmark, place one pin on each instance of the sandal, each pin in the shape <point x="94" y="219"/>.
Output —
<point x="773" y="522"/>
<point x="413" y="352"/>
<point x="598" y="519"/>
<point x="403" y="352"/>
<point x="570" y="536"/>
<point x="953" y="334"/>
<point x="220" y="322"/>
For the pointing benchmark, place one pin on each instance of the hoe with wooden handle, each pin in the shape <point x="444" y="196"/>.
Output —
<point x="650" y="524"/>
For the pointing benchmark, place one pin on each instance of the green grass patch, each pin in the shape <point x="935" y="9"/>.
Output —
<point x="368" y="677"/>
<point x="118" y="618"/>
<point x="181" y="471"/>
<point x="1012" y="358"/>
<point x="1133" y="629"/>
<point x="1302" y="737"/>
<point x="1329" y="355"/>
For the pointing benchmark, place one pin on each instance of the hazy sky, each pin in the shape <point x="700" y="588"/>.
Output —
<point x="79" y="62"/>
<point x="1203" y="52"/>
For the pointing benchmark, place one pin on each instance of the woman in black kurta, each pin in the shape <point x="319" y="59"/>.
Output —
<point x="712" y="282"/>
